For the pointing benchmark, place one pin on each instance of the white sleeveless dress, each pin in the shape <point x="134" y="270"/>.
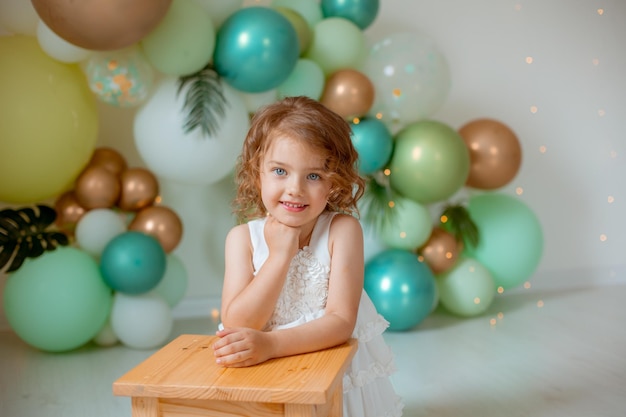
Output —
<point x="368" y="392"/>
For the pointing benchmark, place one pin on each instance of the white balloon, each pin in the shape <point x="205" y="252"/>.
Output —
<point x="57" y="47"/>
<point x="189" y="158"/>
<point x="141" y="321"/>
<point x="19" y="17"/>
<point x="96" y="228"/>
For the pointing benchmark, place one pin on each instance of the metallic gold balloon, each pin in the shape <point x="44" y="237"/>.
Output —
<point x="349" y="93"/>
<point x="441" y="250"/>
<point x="495" y="153"/>
<point x="97" y="187"/>
<point x="161" y="223"/>
<point x="108" y="158"/>
<point x="69" y="211"/>
<point x="102" y="24"/>
<point x="139" y="189"/>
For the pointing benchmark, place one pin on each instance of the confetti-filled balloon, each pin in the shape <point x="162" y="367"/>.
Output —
<point x="411" y="78"/>
<point x="120" y="78"/>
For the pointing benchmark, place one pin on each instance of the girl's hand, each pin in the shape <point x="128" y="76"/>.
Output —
<point x="241" y="346"/>
<point x="280" y="238"/>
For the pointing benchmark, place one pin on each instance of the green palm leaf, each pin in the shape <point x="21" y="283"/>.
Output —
<point x="204" y="104"/>
<point x="378" y="202"/>
<point x="23" y="235"/>
<point x="459" y="222"/>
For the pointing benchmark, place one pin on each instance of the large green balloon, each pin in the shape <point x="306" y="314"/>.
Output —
<point x="57" y="302"/>
<point x="510" y="238"/>
<point x="430" y="162"/>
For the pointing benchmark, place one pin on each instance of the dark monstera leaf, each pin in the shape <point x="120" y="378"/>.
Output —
<point x="23" y="235"/>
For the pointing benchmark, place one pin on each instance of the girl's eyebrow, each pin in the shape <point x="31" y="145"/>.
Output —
<point x="286" y="164"/>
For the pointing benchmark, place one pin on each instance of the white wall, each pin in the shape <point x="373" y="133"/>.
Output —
<point x="573" y="145"/>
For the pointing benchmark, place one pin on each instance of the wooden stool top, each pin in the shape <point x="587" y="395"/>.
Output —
<point x="186" y="369"/>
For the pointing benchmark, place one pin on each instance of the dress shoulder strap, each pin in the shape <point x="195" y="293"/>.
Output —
<point x="319" y="238"/>
<point x="260" y="251"/>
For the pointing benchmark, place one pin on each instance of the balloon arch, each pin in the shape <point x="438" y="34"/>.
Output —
<point x="443" y="231"/>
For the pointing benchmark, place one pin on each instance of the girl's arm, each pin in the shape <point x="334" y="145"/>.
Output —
<point x="249" y="300"/>
<point x="242" y="346"/>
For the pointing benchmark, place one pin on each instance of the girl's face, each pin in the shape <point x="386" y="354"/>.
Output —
<point x="294" y="183"/>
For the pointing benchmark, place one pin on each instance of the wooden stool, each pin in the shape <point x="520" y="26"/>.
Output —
<point x="183" y="380"/>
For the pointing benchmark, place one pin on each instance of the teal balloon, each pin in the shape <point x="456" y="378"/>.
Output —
<point x="374" y="143"/>
<point x="133" y="263"/>
<point x="401" y="287"/>
<point x="360" y="12"/>
<point x="467" y="289"/>
<point x="430" y="162"/>
<point x="58" y="301"/>
<point x="510" y="242"/>
<point x="256" y="49"/>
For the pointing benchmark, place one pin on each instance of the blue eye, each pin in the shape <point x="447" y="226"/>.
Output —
<point x="279" y="171"/>
<point x="314" y="177"/>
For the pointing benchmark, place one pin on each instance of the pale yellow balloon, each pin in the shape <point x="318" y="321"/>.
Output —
<point x="48" y="122"/>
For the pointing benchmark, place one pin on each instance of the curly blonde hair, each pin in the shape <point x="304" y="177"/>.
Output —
<point x="322" y="129"/>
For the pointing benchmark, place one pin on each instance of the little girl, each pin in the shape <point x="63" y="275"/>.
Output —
<point x="293" y="278"/>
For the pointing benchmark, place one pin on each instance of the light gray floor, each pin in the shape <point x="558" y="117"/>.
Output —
<point x="535" y="353"/>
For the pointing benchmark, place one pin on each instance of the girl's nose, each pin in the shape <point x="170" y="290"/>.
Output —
<point x="294" y="187"/>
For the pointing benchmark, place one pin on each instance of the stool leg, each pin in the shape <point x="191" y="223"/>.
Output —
<point x="336" y="403"/>
<point x="145" y="407"/>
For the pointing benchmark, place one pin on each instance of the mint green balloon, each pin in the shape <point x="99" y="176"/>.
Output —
<point x="306" y="79"/>
<point x="184" y="40"/>
<point x="408" y="226"/>
<point x="510" y="238"/>
<point x="58" y="301"/>
<point x="173" y="285"/>
<point x="430" y="162"/>
<point x="466" y="289"/>
<point x="337" y="44"/>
